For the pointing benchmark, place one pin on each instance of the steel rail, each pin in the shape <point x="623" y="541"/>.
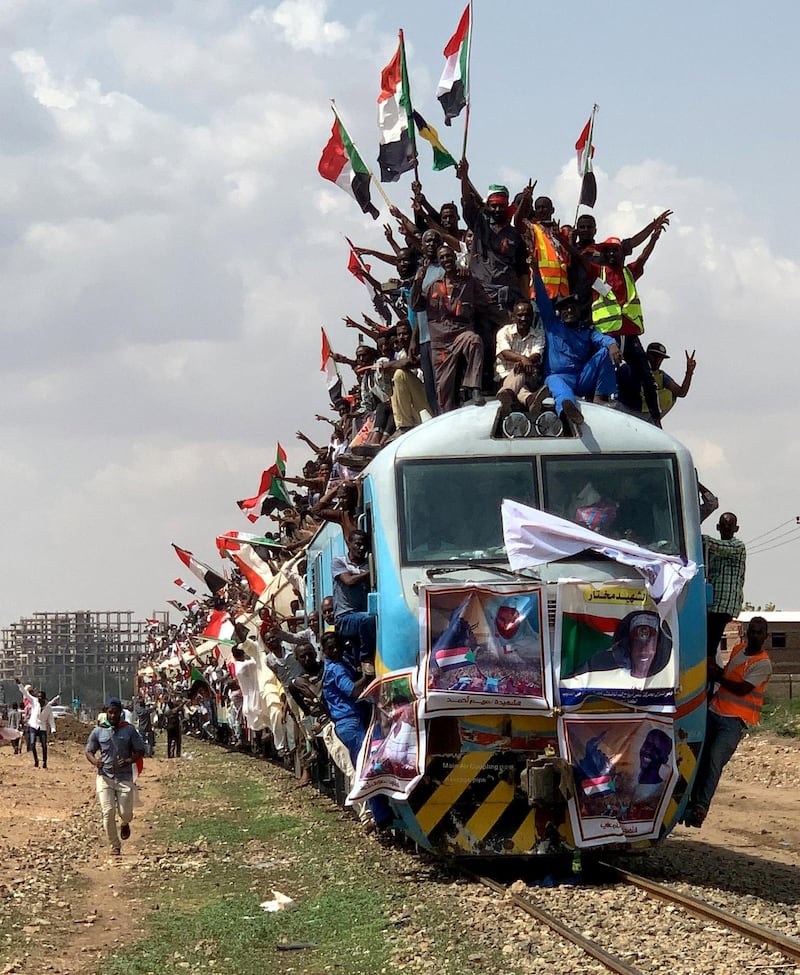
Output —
<point x="570" y="934"/>
<point x="755" y="932"/>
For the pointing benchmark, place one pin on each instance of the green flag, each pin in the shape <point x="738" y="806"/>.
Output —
<point x="441" y="157"/>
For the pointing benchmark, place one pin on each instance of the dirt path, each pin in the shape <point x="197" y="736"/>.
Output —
<point x="61" y="897"/>
<point x="756" y="811"/>
<point x="64" y="904"/>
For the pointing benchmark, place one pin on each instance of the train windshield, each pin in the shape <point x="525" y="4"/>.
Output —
<point x="451" y="508"/>
<point x="634" y="497"/>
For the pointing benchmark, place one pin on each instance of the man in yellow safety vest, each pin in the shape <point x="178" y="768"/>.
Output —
<point x="616" y="311"/>
<point x="668" y="389"/>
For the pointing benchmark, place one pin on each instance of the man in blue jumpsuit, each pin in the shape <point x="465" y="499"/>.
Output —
<point x="579" y="360"/>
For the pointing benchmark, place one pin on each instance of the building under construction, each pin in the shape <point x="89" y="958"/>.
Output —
<point x="85" y="655"/>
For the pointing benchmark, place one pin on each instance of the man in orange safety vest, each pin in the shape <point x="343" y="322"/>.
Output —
<point x="736" y="704"/>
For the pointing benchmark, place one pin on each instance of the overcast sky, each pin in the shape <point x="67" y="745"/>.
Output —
<point x="168" y="251"/>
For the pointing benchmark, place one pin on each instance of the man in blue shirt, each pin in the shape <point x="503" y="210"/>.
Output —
<point x="113" y="749"/>
<point x="341" y="688"/>
<point x="340" y="692"/>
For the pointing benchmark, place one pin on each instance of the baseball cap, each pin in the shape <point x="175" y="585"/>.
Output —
<point x="658" y="348"/>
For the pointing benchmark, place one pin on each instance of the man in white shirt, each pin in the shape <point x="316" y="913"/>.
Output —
<point x="518" y="363"/>
<point x="41" y="718"/>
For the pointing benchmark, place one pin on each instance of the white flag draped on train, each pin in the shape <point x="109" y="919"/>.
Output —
<point x="533" y="537"/>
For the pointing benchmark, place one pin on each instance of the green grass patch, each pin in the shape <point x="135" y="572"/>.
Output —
<point x="237" y="830"/>
<point x="200" y="904"/>
<point x="781" y="717"/>
<point x="232" y="935"/>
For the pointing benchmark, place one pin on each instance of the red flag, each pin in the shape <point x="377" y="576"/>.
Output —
<point x="357" y="267"/>
<point x="252" y="506"/>
<point x="212" y="579"/>
<point x="585" y="149"/>
<point x="331" y="370"/>
<point x="342" y="164"/>
<point x="219" y="625"/>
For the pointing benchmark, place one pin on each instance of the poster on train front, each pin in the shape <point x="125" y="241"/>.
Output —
<point x="611" y="642"/>
<point x="484" y="649"/>
<point x="392" y="757"/>
<point x="624" y="772"/>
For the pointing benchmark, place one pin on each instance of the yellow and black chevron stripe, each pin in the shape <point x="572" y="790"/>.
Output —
<point x="472" y="804"/>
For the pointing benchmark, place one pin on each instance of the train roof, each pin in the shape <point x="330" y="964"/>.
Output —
<point x="474" y="431"/>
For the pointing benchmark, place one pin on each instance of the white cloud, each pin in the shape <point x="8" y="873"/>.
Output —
<point x="33" y="66"/>
<point x="168" y="254"/>
<point x="305" y="28"/>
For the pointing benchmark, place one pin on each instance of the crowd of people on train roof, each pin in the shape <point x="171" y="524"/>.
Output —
<point x="495" y="299"/>
<point x="501" y="299"/>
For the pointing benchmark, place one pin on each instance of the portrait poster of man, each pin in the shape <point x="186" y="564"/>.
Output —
<point x="624" y="770"/>
<point x="612" y="643"/>
<point x="484" y="648"/>
<point x="392" y="757"/>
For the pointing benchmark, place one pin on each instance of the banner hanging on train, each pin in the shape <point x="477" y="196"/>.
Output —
<point x="612" y="643"/>
<point x="392" y="757"/>
<point x="625" y="771"/>
<point x="483" y="649"/>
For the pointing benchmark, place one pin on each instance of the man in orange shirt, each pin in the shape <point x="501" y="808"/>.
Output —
<point x="736" y="704"/>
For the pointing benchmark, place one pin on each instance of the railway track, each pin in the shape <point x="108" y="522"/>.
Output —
<point x="768" y="939"/>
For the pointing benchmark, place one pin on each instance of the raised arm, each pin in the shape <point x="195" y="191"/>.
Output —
<point x="387" y="233"/>
<point x="709" y="502"/>
<point x="471" y="200"/>
<point x="454" y="242"/>
<point x="25" y="691"/>
<point x="683" y="389"/>
<point x="344" y="360"/>
<point x="417" y="300"/>
<point x="369" y="252"/>
<point x="317" y="450"/>
<point x="524" y="207"/>
<point x="408" y="228"/>
<point x="662" y="221"/>
<point x="651" y="244"/>
<point x="543" y="302"/>
<point x="371" y="333"/>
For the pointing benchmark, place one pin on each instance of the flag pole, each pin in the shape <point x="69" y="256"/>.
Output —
<point x="406" y="87"/>
<point x="588" y="160"/>
<point x="386" y="199"/>
<point x="469" y="65"/>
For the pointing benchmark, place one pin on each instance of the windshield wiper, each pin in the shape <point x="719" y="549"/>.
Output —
<point x="441" y="570"/>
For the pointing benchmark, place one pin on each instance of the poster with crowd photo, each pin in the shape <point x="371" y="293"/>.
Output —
<point x="612" y="643"/>
<point x="392" y="757"/>
<point x="624" y="774"/>
<point x="484" y="648"/>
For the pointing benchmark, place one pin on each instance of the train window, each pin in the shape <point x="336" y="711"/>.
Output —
<point x="450" y="509"/>
<point x="630" y="496"/>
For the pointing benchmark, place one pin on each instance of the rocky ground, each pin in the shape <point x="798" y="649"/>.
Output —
<point x="66" y="908"/>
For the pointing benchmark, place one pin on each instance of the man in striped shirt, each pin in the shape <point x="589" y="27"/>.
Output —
<point x="725" y="560"/>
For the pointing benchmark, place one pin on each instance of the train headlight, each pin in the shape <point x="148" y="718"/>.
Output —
<point x="516" y="425"/>
<point x="548" y="424"/>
